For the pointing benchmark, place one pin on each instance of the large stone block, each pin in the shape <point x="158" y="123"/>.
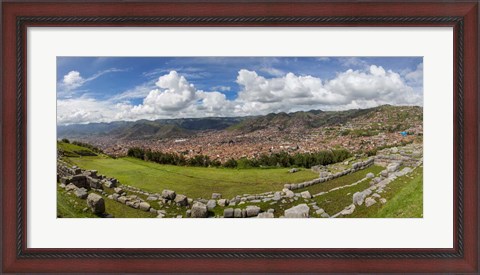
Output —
<point x="96" y="203"/>
<point x="299" y="211"/>
<point x="199" y="210"/>
<point x="228" y="213"/>
<point x="181" y="200"/>
<point x="168" y="194"/>
<point x="252" y="211"/>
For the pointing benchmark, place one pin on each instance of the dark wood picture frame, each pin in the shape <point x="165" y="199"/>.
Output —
<point x="18" y="16"/>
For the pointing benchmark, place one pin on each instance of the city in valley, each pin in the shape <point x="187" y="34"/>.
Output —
<point x="240" y="137"/>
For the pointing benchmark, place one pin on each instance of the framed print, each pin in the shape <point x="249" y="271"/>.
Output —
<point x="240" y="137"/>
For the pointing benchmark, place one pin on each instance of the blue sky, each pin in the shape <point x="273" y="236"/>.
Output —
<point x="102" y="89"/>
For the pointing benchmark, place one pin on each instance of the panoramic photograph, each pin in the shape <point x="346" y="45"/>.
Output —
<point x="239" y="137"/>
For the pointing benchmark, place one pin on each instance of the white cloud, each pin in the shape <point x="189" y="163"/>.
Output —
<point x="73" y="80"/>
<point x="174" y="96"/>
<point x="272" y="71"/>
<point x="415" y="78"/>
<point x="83" y="110"/>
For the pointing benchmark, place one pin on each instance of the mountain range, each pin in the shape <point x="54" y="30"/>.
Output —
<point x="382" y="117"/>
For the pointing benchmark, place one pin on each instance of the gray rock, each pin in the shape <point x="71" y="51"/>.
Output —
<point x="94" y="183"/>
<point x="293" y="170"/>
<point x="145" y="206"/>
<point x="228" y="213"/>
<point x="110" y="184"/>
<point x="384" y="173"/>
<point x="383" y="200"/>
<point x="299" y="211"/>
<point x="122" y="199"/>
<point x="287" y="186"/>
<point x="216" y="196"/>
<point x="152" y="198"/>
<point x="96" y="203"/>
<point x="370" y="175"/>
<point x="265" y="215"/>
<point x="118" y="190"/>
<point x="223" y="202"/>
<point x="81" y="193"/>
<point x="348" y="210"/>
<point x="181" y="200"/>
<point x="393" y="167"/>
<point x="320" y="211"/>
<point x="278" y="196"/>
<point x="271" y="210"/>
<point x="244" y="213"/>
<point x="211" y="204"/>
<point x="306" y="195"/>
<point x="168" y="194"/>
<point x="324" y="215"/>
<point x="252" y="211"/>
<point x="71" y="187"/>
<point x="188" y="213"/>
<point x="199" y="210"/>
<point x="237" y="213"/>
<point x="358" y="198"/>
<point x="289" y="194"/>
<point x="369" y="201"/>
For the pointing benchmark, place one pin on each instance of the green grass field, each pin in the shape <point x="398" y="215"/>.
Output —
<point x="193" y="181"/>
<point x="69" y="206"/>
<point x="404" y="199"/>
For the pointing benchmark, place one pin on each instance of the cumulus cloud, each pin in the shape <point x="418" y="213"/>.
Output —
<point x="174" y="96"/>
<point x="73" y="80"/>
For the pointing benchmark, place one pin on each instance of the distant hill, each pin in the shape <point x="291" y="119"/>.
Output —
<point x="386" y="117"/>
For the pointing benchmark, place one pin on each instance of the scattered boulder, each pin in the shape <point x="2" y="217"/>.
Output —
<point x="181" y="200"/>
<point x="71" y="187"/>
<point x="223" y="202"/>
<point x="96" y="203"/>
<point x="152" y="198"/>
<point x="306" y="195"/>
<point x="228" y="213"/>
<point x="188" y="213"/>
<point x="299" y="211"/>
<point x="216" y="196"/>
<point x="278" y="196"/>
<point x="325" y="215"/>
<point x="110" y="184"/>
<point x="265" y="215"/>
<point x="81" y="193"/>
<point x="358" y="198"/>
<point x="168" y="194"/>
<point x="370" y="201"/>
<point x="145" y="206"/>
<point x="293" y="170"/>
<point x="320" y="211"/>
<point x="252" y="210"/>
<point x="94" y="183"/>
<point x="211" y="204"/>
<point x="289" y="194"/>
<point x="370" y="175"/>
<point x="384" y="173"/>
<point x="199" y="210"/>
<point x="383" y="200"/>
<point x="118" y="190"/>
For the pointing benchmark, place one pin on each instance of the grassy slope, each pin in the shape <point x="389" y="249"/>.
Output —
<point x="404" y="199"/>
<point x="69" y="206"/>
<point x="72" y="150"/>
<point x="193" y="181"/>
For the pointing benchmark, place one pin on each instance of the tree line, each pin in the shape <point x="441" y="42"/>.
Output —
<point x="281" y="159"/>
